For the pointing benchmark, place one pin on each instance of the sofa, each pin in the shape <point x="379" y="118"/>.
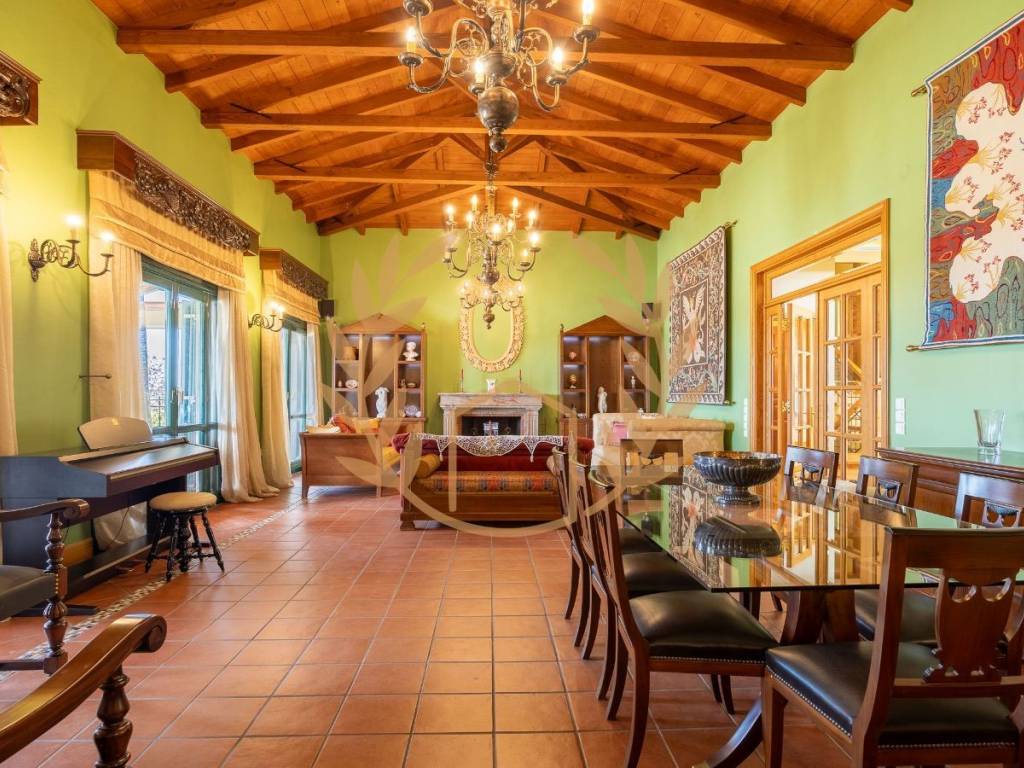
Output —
<point x="697" y="434"/>
<point x="501" y="479"/>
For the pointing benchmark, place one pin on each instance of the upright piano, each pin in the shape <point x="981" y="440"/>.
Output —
<point x="110" y="479"/>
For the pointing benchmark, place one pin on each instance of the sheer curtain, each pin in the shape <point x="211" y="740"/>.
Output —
<point x="314" y="396"/>
<point x="242" y="476"/>
<point x="114" y="331"/>
<point x="275" y="412"/>
<point x="8" y="433"/>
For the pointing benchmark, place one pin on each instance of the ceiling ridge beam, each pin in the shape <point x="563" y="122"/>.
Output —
<point x="350" y="43"/>
<point x="336" y="122"/>
<point x="401" y="175"/>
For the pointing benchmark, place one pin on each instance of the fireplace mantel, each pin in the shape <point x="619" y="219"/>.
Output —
<point x="455" y="405"/>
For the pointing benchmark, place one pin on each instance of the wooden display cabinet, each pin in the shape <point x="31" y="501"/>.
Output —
<point x="602" y="352"/>
<point x="369" y="353"/>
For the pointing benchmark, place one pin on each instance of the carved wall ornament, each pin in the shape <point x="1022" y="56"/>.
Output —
<point x="467" y="340"/>
<point x="19" y="94"/>
<point x="173" y="199"/>
<point x="302" y="278"/>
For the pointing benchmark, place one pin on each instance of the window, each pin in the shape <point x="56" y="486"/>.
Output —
<point x="298" y="372"/>
<point x="177" y="313"/>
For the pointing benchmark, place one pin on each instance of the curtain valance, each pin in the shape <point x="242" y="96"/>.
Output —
<point x="114" y="205"/>
<point x="296" y="304"/>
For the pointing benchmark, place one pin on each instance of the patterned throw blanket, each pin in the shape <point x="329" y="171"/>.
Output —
<point x="491" y="445"/>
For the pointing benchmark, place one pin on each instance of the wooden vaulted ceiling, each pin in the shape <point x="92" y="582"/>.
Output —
<point x="312" y="92"/>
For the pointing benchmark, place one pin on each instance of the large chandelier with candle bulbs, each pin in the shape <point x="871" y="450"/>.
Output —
<point x="498" y="49"/>
<point x="496" y="244"/>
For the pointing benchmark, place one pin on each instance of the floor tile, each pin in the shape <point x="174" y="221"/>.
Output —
<point x="246" y="681"/>
<point x="527" y="677"/>
<point x="538" y="750"/>
<point x="461" y="649"/>
<point x="296" y="716"/>
<point x="198" y="753"/>
<point x="464" y="750"/>
<point x="532" y="712"/>
<point x="274" y="752"/>
<point x="458" y="677"/>
<point x="363" y="751"/>
<point x="214" y="717"/>
<point x="453" y="713"/>
<point x="389" y="678"/>
<point x="376" y="714"/>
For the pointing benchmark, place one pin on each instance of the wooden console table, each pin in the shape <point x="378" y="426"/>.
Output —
<point x="939" y="471"/>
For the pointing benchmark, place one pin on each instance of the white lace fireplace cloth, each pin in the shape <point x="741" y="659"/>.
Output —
<point x="491" y="445"/>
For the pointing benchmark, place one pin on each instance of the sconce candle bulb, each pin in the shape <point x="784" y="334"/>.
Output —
<point x="65" y="254"/>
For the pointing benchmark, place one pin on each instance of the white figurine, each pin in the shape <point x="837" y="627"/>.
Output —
<point x="602" y="400"/>
<point x="410" y="351"/>
<point x="382" y="401"/>
<point x="492" y="384"/>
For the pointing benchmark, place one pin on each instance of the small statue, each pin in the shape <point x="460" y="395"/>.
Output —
<point x="602" y="400"/>
<point x="410" y="351"/>
<point x="492" y="384"/>
<point x="632" y="382"/>
<point x="382" y="401"/>
<point x="572" y="381"/>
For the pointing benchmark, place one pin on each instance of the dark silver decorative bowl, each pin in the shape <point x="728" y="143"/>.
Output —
<point x="720" y="536"/>
<point x="736" y="471"/>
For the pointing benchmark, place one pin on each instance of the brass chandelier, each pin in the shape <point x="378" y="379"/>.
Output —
<point x="498" y="48"/>
<point x="503" y="250"/>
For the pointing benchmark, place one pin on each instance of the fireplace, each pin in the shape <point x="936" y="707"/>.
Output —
<point x="466" y="413"/>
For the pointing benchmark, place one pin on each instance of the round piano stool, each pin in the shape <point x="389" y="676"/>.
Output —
<point x="176" y="515"/>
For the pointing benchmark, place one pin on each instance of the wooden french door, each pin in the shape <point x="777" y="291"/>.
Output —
<point x="851" y="375"/>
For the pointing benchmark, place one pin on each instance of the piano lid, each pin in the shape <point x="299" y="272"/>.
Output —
<point x="78" y="452"/>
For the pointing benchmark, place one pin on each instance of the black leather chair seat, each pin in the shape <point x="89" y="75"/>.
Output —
<point x="649" y="572"/>
<point x="832" y="679"/>
<point x="917" y="624"/>
<point x="633" y="540"/>
<point x="21" y="588"/>
<point x="700" y="625"/>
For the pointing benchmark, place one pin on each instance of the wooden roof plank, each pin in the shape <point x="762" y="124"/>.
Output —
<point x="643" y="230"/>
<point x="330" y="226"/>
<point x="763" y="21"/>
<point x="207" y="12"/>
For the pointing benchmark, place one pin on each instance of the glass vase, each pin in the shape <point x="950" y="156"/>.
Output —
<point x="990" y="429"/>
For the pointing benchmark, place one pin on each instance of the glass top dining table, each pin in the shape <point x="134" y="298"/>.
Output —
<point x="812" y="545"/>
<point x="798" y="537"/>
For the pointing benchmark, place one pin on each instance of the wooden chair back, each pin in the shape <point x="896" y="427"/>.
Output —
<point x="815" y="466"/>
<point x="975" y="598"/>
<point x="894" y="481"/>
<point x="999" y="502"/>
<point x="580" y="495"/>
<point x="660" y="456"/>
<point x="606" y="525"/>
<point x="559" y="467"/>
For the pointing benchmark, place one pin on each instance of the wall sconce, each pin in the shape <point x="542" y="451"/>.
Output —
<point x="65" y="254"/>
<point x="273" y="322"/>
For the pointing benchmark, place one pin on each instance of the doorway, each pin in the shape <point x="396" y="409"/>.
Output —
<point x="820" y="330"/>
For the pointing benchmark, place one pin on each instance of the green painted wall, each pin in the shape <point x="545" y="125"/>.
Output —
<point x="89" y="83"/>
<point x="860" y="139"/>
<point x="575" y="280"/>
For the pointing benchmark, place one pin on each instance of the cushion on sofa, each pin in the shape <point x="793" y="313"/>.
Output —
<point x="427" y="465"/>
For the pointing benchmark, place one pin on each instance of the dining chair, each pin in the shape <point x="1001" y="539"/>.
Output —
<point x="999" y="503"/>
<point x="686" y="631"/>
<point x="815" y="466"/>
<point x="890" y="702"/>
<point x="646" y="570"/>
<point x="889" y="480"/>
<point x="662" y="455"/>
<point x="579" y="565"/>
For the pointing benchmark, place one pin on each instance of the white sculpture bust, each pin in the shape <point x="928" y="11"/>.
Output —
<point x="602" y="400"/>
<point x="410" y="351"/>
<point x="382" y="401"/>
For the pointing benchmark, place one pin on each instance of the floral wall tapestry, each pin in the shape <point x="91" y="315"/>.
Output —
<point x="696" y="317"/>
<point x="975" y="289"/>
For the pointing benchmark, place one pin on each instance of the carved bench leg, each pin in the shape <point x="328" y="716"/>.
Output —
<point x="115" y="729"/>
<point x="56" y="625"/>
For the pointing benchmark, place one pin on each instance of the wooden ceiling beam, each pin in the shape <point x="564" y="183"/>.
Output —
<point x="762" y="21"/>
<point x="899" y="5"/>
<point x="204" y="73"/>
<point x="370" y="105"/>
<point x="398" y="175"/>
<point x="791" y="92"/>
<point x="336" y="224"/>
<point x="343" y="123"/>
<point x="668" y="162"/>
<point x="643" y="230"/>
<point x="349" y="43"/>
<point x="207" y="12"/>
<point x="613" y="199"/>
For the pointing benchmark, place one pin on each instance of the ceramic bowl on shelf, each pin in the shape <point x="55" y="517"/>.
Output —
<point x="736" y="471"/>
<point x="351" y="384"/>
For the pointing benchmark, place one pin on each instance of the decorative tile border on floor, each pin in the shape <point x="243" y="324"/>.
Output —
<point x="76" y="630"/>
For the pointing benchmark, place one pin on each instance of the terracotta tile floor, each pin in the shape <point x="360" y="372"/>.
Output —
<point x="334" y="639"/>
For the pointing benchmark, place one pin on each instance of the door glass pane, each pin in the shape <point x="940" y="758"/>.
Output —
<point x="853" y="363"/>
<point x="833" y="412"/>
<point x="156" y="301"/>
<point x="297" y="371"/>
<point x="852" y="314"/>
<point x="832" y="319"/>
<point x="191" y="354"/>
<point x="833" y="373"/>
